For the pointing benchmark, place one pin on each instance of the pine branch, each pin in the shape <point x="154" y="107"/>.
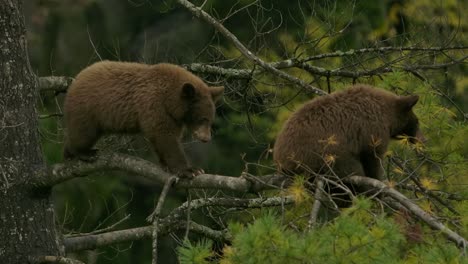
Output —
<point x="412" y="207"/>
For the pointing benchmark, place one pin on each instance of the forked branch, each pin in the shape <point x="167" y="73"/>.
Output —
<point x="198" y="12"/>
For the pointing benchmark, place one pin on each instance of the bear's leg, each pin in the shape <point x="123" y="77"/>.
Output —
<point x="172" y="155"/>
<point x="79" y="142"/>
<point x="343" y="167"/>
<point x="372" y="164"/>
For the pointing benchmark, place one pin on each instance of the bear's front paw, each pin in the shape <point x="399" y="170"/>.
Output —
<point x="190" y="173"/>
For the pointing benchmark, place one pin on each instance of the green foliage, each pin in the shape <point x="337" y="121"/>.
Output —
<point x="357" y="236"/>
<point x="199" y="253"/>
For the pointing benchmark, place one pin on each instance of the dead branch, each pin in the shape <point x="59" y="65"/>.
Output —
<point x="180" y="211"/>
<point x="55" y="84"/>
<point x="53" y="259"/>
<point x="172" y="222"/>
<point x="317" y="203"/>
<point x="61" y="172"/>
<point x="215" y="70"/>
<point x="90" y="242"/>
<point x="412" y="207"/>
<point x="155" y="216"/>
<point x="380" y="50"/>
<point x="198" y="12"/>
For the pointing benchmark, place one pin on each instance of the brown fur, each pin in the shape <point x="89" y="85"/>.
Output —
<point x="158" y="100"/>
<point x="353" y="126"/>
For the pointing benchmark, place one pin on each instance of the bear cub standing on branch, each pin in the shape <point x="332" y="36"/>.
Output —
<point x="347" y="132"/>
<point x="158" y="100"/>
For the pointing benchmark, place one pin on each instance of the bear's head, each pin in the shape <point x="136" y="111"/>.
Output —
<point x="201" y="109"/>
<point x="406" y="123"/>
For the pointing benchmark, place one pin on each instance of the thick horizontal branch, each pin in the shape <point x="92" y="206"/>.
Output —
<point x="61" y="172"/>
<point x="412" y="207"/>
<point x="90" y="242"/>
<point x="53" y="259"/>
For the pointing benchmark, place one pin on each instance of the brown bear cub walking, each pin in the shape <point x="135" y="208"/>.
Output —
<point x="159" y="101"/>
<point x="347" y="132"/>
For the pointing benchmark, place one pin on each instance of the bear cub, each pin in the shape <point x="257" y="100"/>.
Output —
<point x="159" y="101"/>
<point x="346" y="132"/>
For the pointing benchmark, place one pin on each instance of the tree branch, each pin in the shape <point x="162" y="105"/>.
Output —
<point x="412" y="207"/>
<point x="215" y="70"/>
<point x="198" y="12"/>
<point x="155" y="217"/>
<point x="90" y="242"/>
<point x="53" y="259"/>
<point x="317" y="203"/>
<point x="61" y="172"/>
<point x="180" y="211"/>
<point x="172" y="222"/>
<point x="55" y="84"/>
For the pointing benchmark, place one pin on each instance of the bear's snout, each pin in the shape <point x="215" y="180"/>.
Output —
<point x="203" y="134"/>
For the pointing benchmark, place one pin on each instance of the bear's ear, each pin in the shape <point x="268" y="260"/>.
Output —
<point x="216" y="92"/>
<point x="407" y="102"/>
<point x="188" y="91"/>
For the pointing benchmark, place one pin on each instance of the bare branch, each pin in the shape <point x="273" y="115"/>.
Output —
<point x="180" y="211"/>
<point x="53" y="259"/>
<point x="198" y="12"/>
<point x="54" y="83"/>
<point x="172" y="222"/>
<point x="90" y="242"/>
<point x="225" y="72"/>
<point x="316" y="206"/>
<point x="412" y="207"/>
<point x="61" y="172"/>
<point x="379" y="50"/>
<point x="155" y="216"/>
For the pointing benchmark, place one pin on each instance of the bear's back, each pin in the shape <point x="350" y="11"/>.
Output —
<point x="114" y="94"/>
<point x="337" y="124"/>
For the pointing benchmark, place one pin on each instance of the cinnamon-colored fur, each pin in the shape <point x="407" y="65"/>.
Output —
<point x="348" y="131"/>
<point x="158" y="100"/>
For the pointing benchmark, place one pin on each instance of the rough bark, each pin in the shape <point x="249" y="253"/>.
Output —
<point x="26" y="217"/>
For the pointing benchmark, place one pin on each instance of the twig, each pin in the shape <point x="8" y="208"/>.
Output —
<point x="155" y="216"/>
<point x="50" y="115"/>
<point x="317" y="204"/>
<point x="189" y="209"/>
<point x="246" y="52"/>
<point x="102" y="230"/>
<point x="180" y="211"/>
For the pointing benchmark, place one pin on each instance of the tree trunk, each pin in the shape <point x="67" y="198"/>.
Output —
<point x="26" y="216"/>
